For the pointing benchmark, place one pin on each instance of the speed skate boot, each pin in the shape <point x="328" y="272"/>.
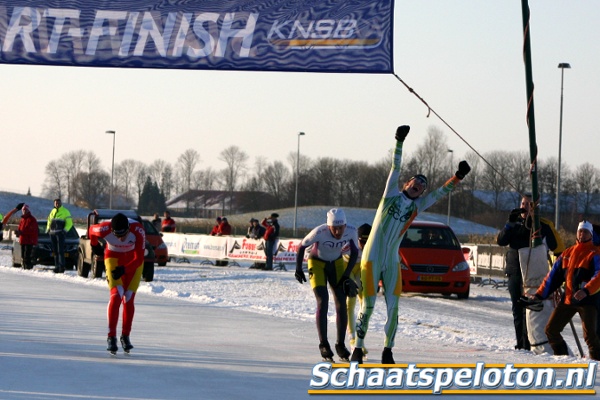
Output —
<point x="342" y="352"/>
<point x="357" y="355"/>
<point x="111" y="342"/>
<point x="387" y="357"/>
<point x="353" y="345"/>
<point x="127" y="346"/>
<point x="326" y="352"/>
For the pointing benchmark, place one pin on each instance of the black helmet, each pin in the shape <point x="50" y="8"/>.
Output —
<point x="363" y="231"/>
<point x="421" y="178"/>
<point x="119" y="224"/>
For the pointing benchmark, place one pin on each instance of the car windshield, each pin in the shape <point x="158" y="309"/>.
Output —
<point x="71" y="234"/>
<point x="150" y="228"/>
<point x="430" y="237"/>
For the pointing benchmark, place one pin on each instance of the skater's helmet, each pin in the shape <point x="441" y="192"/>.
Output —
<point x="120" y="225"/>
<point x="363" y="232"/>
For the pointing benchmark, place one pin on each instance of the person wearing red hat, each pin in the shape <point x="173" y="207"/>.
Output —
<point x="27" y="232"/>
<point x="124" y="262"/>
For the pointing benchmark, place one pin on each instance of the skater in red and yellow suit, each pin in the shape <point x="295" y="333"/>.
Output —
<point x="124" y="260"/>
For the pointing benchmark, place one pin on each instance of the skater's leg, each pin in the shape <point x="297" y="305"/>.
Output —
<point x="128" y="312"/>
<point x="334" y="272"/>
<point x="392" y="285"/>
<point x="114" y="303"/>
<point x="370" y="280"/>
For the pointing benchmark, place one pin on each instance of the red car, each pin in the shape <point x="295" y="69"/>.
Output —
<point x="154" y="237"/>
<point x="433" y="261"/>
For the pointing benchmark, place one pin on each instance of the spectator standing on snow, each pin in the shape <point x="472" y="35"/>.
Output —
<point x="224" y="227"/>
<point x="516" y="234"/>
<point x="168" y="224"/>
<point x="326" y="265"/>
<point x="124" y="262"/>
<point x="157" y="222"/>
<point x="59" y="223"/>
<point x="215" y="229"/>
<point x="271" y="238"/>
<point x="578" y="268"/>
<point x="256" y="232"/>
<point x="27" y="232"/>
<point x="380" y="259"/>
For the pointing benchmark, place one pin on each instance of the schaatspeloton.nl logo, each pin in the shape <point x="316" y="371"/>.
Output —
<point x="465" y="379"/>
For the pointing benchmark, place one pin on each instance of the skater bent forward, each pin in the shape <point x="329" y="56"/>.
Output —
<point x="326" y="264"/>
<point x="124" y="262"/>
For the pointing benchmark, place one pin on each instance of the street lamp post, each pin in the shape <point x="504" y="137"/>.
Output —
<point x="112" y="169"/>
<point x="562" y="67"/>
<point x="450" y="194"/>
<point x="297" y="174"/>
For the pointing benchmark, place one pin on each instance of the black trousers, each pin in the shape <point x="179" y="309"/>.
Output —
<point x="515" y="288"/>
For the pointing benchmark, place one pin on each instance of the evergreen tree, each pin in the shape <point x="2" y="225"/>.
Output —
<point x="152" y="200"/>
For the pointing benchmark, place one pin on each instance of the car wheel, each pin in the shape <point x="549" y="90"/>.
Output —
<point x="83" y="268"/>
<point x="162" y="264"/>
<point x="148" y="272"/>
<point x="97" y="267"/>
<point x="465" y="295"/>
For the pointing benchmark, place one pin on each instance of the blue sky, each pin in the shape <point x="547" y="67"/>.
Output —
<point x="463" y="57"/>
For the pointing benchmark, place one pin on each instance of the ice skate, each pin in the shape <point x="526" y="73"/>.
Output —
<point x="364" y="349"/>
<point x="127" y="346"/>
<point x="112" y="347"/>
<point x="326" y="352"/>
<point x="342" y="352"/>
<point x="357" y="355"/>
<point x="387" y="357"/>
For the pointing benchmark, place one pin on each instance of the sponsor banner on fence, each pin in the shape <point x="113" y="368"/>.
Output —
<point x="268" y="35"/>
<point x="230" y="247"/>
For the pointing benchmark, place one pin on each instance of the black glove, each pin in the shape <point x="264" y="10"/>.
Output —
<point x="348" y="286"/>
<point x="300" y="276"/>
<point x="463" y="170"/>
<point x="514" y="214"/>
<point x="97" y="250"/>
<point x="19" y="206"/>
<point x="118" y="272"/>
<point x="531" y="304"/>
<point x="402" y="132"/>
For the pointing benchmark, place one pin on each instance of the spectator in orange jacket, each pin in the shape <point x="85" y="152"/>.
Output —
<point x="578" y="267"/>
<point x="215" y="229"/>
<point x="168" y="224"/>
<point x="224" y="228"/>
<point x="27" y="232"/>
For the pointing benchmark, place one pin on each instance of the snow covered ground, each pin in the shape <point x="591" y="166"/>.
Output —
<point x="219" y="333"/>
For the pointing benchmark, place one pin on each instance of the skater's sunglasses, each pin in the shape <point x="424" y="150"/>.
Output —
<point x="121" y="233"/>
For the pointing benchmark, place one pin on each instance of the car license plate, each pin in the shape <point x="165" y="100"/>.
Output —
<point x="430" y="278"/>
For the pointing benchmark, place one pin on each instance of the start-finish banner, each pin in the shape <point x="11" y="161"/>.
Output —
<point x="268" y="35"/>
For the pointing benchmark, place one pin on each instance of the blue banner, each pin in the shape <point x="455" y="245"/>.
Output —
<point x="268" y="35"/>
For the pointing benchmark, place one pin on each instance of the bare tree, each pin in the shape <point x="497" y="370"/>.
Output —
<point x="495" y="177"/>
<point x="275" y="178"/>
<point x="53" y="186"/>
<point x="432" y="156"/>
<point x="236" y="160"/>
<point x="71" y="164"/>
<point x="586" y="177"/>
<point x="125" y="175"/>
<point x="186" y="164"/>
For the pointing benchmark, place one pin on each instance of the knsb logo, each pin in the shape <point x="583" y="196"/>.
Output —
<point x="321" y="34"/>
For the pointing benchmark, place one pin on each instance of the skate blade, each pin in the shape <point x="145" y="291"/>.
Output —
<point x="328" y="359"/>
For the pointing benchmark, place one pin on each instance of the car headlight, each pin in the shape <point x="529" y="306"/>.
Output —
<point x="162" y="246"/>
<point x="72" y="247"/>
<point x="402" y="266"/>
<point x="461" y="266"/>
